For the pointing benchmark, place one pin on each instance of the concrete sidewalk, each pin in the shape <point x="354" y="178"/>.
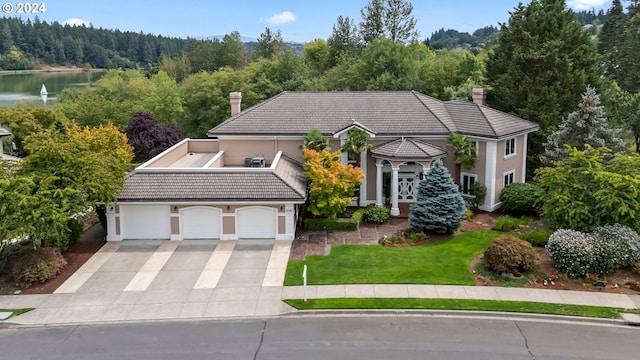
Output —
<point x="266" y="301"/>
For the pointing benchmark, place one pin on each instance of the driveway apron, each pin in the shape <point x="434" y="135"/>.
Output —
<point x="155" y="279"/>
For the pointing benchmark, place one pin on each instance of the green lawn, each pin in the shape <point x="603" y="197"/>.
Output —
<point x="460" y="304"/>
<point x="445" y="262"/>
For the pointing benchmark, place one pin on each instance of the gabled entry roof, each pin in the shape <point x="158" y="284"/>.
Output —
<point x="408" y="148"/>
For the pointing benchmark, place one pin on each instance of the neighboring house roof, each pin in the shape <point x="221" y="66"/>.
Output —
<point x="385" y="113"/>
<point x="4" y="132"/>
<point x="408" y="148"/>
<point x="285" y="182"/>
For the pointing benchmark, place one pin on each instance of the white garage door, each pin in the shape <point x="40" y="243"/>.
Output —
<point x="145" y="221"/>
<point x="200" y="222"/>
<point x="256" y="223"/>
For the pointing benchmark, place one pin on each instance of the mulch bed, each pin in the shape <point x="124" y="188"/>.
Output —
<point x="77" y="254"/>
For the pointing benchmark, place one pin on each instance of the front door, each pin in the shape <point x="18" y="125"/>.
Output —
<point x="407" y="185"/>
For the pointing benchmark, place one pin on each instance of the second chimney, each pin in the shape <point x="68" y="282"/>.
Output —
<point x="236" y="100"/>
<point x="479" y="96"/>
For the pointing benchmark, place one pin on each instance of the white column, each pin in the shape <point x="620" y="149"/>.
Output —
<point x="524" y="158"/>
<point x="363" y="186"/>
<point x="111" y="223"/>
<point x="344" y="157"/>
<point x="490" y="176"/>
<point x="395" y="210"/>
<point x="379" y="183"/>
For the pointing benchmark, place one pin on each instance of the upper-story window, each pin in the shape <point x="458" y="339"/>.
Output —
<point x="510" y="147"/>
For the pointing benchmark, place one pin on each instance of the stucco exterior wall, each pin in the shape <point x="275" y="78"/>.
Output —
<point x="508" y="163"/>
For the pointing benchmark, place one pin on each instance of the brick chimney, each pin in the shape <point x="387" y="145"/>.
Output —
<point x="236" y="100"/>
<point x="479" y="96"/>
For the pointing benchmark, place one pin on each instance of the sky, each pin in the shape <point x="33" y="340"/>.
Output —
<point x="299" y="21"/>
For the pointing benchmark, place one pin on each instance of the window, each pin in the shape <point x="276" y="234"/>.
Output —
<point x="467" y="181"/>
<point x="510" y="147"/>
<point x="508" y="177"/>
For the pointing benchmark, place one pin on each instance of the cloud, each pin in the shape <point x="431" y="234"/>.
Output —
<point x="586" y="4"/>
<point x="282" y="18"/>
<point x="77" y="22"/>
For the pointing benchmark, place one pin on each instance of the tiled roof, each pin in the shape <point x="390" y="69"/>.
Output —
<point x="408" y="148"/>
<point x="296" y="113"/>
<point x="474" y="119"/>
<point x="286" y="182"/>
<point x="386" y="113"/>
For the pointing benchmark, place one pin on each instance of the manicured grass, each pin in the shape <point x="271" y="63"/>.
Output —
<point x="459" y="304"/>
<point x="439" y="263"/>
<point x="16" y="312"/>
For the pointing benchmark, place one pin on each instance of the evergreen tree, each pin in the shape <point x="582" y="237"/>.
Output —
<point x="611" y="38"/>
<point x="269" y="44"/>
<point x="388" y="18"/>
<point x="399" y="23"/>
<point x="629" y="78"/>
<point x="541" y="64"/>
<point x="344" y="40"/>
<point x="585" y="127"/>
<point x="439" y="207"/>
<point x="372" y="24"/>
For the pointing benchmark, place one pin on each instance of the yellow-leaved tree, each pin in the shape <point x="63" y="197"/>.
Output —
<point x="332" y="184"/>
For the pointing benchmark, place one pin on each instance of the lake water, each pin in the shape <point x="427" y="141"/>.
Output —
<point x="26" y="87"/>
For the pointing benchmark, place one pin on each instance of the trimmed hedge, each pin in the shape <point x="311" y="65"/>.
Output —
<point x="538" y="237"/>
<point x="377" y="214"/>
<point x="509" y="254"/>
<point x="519" y="197"/>
<point x="322" y="224"/>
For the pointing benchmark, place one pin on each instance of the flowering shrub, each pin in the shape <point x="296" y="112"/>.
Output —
<point x="571" y="251"/>
<point x="618" y="246"/>
<point x="605" y="250"/>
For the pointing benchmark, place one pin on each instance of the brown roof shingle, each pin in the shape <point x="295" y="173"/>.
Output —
<point x="408" y="148"/>
<point x="286" y="182"/>
<point x="386" y="113"/>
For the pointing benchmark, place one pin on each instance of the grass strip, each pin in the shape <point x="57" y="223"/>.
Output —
<point x="16" y="312"/>
<point x="444" y="263"/>
<point x="459" y="304"/>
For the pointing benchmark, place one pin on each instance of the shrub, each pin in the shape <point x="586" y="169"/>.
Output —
<point x="605" y="250"/>
<point x="617" y="246"/>
<point x="479" y="193"/>
<point x="636" y="267"/>
<point x="38" y="265"/>
<point x="519" y="197"/>
<point x="510" y="223"/>
<point x="509" y="254"/>
<point x="468" y="214"/>
<point x="377" y="214"/>
<point x="571" y="251"/>
<point x="538" y="237"/>
<point x="330" y="224"/>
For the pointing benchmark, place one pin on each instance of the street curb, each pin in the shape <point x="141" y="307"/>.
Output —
<point x="498" y="315"/>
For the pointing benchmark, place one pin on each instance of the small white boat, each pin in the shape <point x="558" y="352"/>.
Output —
<point x="43" y="91"/>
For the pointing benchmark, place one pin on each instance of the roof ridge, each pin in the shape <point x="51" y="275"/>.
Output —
<point x="415" y="93"/>
<point x="480" y="107"/>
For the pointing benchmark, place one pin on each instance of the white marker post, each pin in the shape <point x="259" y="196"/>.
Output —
<point x="304" y="282"/>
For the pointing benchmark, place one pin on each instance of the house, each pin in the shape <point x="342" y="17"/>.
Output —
<point x="4" y="132"/>
<point x="246" y="180"/>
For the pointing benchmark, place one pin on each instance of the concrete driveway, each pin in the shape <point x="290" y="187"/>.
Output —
<point x="142" y="279"/>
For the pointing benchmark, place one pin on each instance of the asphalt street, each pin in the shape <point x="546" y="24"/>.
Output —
<point x="336" y="337"/>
